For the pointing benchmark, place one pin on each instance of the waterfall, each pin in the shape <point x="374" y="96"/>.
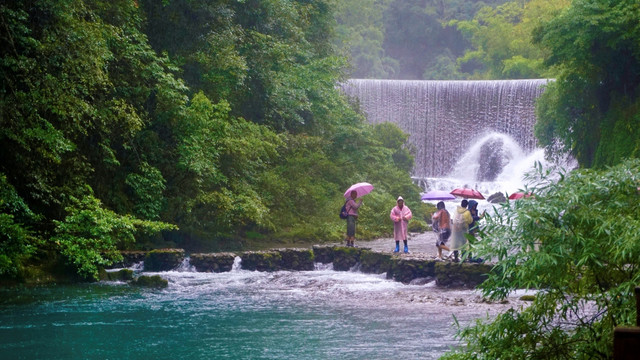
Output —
<point x="445" y="118"/>
<point x="237" y="264"/>
<point x="185" y="266"/>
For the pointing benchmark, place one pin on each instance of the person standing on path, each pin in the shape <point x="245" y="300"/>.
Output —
<point x="400" y="215"/>
<point x="443" y="221"/>
<point x="352" y="217"/>
<point x="473" y="210"/>
<point x="474" y="226"/>
<point x="461" y="221"/>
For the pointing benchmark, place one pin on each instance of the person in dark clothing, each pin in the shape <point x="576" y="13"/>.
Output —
<point x="473" y="210"/>
<point x="472" y="206"/>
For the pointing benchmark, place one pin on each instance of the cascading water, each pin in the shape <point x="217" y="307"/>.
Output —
<point x="494" y="163"/>
<point x="467" y="134"/>
<point x="186" y="266"/>
<point x="445" y="118"/>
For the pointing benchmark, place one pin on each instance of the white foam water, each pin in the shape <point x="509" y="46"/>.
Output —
<point x="444" y="118"/>
<point x="241" y="314"/>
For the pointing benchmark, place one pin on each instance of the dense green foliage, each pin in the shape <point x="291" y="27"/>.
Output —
<point x="405" y="39"/>
<point x="591" y="49"/>
<point x="501" y="40"/>
<point x="16" y="240"/>
<point x="361" y="35"/>
<point x="591" y="110"/>
<point x="126" y="120"/>
<point x="577" y="241"/>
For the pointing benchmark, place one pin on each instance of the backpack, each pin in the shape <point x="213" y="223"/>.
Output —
<point x="343" y="212"/>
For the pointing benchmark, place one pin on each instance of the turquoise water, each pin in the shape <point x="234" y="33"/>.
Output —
<point x="319" y="314"/>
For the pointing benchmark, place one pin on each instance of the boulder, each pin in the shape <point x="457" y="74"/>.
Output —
<point x="297" y="259"/>
<point x="344" y="258"/>
<point x="155" y="282"/>
<point x="465" y="275"/>
<point x="373" y="262"/>
<point x="406" y="269"/>
<point x="214" y="262"/>
<point x="129" y="259"/>
<point x="163" y="259"/>
<point x="323" y="254"/>
<point x="261" y="260"/>
<point x="120" y="275"/>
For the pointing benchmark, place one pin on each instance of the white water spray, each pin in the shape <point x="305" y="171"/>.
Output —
<point x="237" y="264"/>
<point x="474" y="134"/>
<point x="444" y="118"/>
<point x="185" y="266"/>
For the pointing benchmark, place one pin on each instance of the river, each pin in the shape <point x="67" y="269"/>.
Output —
<point x="320" y="314"/>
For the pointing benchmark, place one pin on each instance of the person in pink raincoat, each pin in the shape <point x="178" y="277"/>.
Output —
<point x="400" y="215"/>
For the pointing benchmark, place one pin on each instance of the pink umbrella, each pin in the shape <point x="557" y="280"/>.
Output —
<point x="467" y="193"/>
<point x="362" y="189"/>
<point x="437" y="195"/>
<point x="519" y="195"/>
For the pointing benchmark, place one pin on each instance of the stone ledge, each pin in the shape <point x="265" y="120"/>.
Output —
<point x="406" y="268"/>
<point x="213" y="262"/>
<point x="163" y="259"/>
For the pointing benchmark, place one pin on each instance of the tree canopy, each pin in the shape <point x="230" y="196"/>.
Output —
<point x="200" y="124"/>
<point x="501" y="40"/>
<point x="591" y="110"/>
<point x="405" y="39"/>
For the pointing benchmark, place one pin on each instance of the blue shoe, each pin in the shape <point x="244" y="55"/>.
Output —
<point x="397" y="249"/>
<point x="406" y="249"/>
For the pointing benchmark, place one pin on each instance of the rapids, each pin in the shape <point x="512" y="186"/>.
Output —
<point x="240" y="314"/>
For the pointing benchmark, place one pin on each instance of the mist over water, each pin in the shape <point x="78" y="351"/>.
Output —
<point x="495" y="163"/>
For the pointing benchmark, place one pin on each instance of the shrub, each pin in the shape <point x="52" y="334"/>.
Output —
<point x="577" y="239"/>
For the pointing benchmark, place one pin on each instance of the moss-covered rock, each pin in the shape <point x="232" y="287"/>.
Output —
<point x="130" y="258"/>
<point x="461" y="274"/>
<point x="373" y="262"/>
<point x="323" y="254"/>
<point x="344" y="258"/>
<point x="406" y="269"/>
<point x="44" y="268"/>
<point x="120" y="275"/>
<point x="155" y="282"/>
<point x="213" y="262"/>
<point x="261" y="260"/>
<point x="297" y="259"/>
<point x="163" y="259"/>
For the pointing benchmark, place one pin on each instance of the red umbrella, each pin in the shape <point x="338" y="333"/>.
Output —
<point x="467" y="193"/>
<point x="519" y="195"/>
